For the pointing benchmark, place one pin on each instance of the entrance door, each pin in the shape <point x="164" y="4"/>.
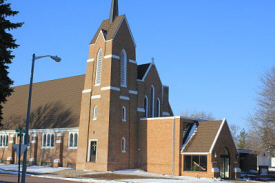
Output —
<point x="93" y="151"/>
<point x="225" y="164"/>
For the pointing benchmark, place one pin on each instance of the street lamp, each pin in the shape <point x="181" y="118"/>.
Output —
<point x="26" y="140"/>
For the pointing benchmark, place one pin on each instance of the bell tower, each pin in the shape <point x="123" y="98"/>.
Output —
<point x="108" y="116"/>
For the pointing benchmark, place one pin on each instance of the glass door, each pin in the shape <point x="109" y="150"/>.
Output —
<point x="225" y="164"/>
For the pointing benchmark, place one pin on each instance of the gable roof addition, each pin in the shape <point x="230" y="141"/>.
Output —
<point x="204" y="136"/>
<point x="55" y="104"/>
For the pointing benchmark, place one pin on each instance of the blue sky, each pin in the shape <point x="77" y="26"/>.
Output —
<point x="211" y="53"/>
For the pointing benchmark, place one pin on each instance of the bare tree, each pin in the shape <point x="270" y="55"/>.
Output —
<point x="262" y="121"/>
<point x="234" y="131"/>
<point x="198" y="115"/>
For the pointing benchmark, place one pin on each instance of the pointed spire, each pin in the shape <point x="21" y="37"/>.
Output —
<point x="114" y="11"/>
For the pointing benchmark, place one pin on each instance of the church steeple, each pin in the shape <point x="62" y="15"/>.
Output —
<point x="114" y="11"/>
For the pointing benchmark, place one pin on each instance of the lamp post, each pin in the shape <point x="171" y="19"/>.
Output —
<point x="26" y="140"/>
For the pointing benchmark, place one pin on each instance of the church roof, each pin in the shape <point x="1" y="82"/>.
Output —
<point x="109" y="29"/>
<point x="141" y="70"/>
<point x="203" y="137"/>
<point x="55" y="104"/>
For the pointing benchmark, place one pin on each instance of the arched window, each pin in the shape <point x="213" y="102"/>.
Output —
<point x="48" y="140"/>
<point x="152" y="101"/>
<point x="7" y="140"/>
<point x="75" y="139"/>
<point x="44" y="140"/>
<point x="52" y="140"/>
<point x="224" y="152"/>
<point x="123" y="145"/>
<point x="95" y="112"/>
<point x="123" y="113"/>
<point x="4" y="140"/>
<point x="158" y="107"/>
<point x="98" y="68"/>
<point x="71" y="140"/>
<point x="1" y="140"/>
<point x="145" y="106"/>
<point x="123" y="69"/>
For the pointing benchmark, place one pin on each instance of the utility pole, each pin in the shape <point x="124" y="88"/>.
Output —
<point x="20" y="134"/>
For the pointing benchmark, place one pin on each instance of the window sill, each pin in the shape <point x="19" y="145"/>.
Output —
<point x="123" y="151"/>
<point x="47" y="147"/>
<point x="124" y="86"/>
<point x="95" y="119"/>
<point x="72" y="147"/>
<point x="194" y="171"/>
<point x="97" y="84"/>
<point x="124" y="120"/>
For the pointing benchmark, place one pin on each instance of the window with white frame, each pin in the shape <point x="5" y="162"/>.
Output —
<point x="73" y="137"/>
<point x="145" y="106"/>
<point x="4" y="141"/>
<point x="98" y="68"/>
<point x="95" y="112"/>
<point x="123" y="113"/>
<point x="152" y="101"/>
<point x="123" y="68"/>
<point x="123" y="144"/>
<point x="48" y="140"/>
<point x="158" y="107"/>
<point x="23" y="139"/>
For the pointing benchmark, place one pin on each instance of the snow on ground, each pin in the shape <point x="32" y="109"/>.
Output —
<point x="32" y="169"/>
<point x="160" y="178"/>
<point x="156" y="178"/>
<point x="182" y="180"/>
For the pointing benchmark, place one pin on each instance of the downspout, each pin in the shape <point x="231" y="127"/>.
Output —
<point x="173" y="147"/>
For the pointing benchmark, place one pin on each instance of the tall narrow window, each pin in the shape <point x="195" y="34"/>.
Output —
<point x="95" y="112"/>
<point x="48" y="140"/>
<point x="71" y="140"/>
<point x="123" y="145"/>
<point x="44" y="140"/>
<point x="1" y="140"/>
<point x="123" y="113"/>
<point x="145" y="107"/>
<point x="4" y="140"/>
<point x="7" y="140"/>
<point x="52" y="140"/>
<point x="98" y="68"/>
<point x="158" y="107"/>
<point x="123" y="68"/>
<point x="75" y="139"/>
<point x="152" y="101"/>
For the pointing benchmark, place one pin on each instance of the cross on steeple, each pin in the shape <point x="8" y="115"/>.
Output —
<point x="114" y="11"/>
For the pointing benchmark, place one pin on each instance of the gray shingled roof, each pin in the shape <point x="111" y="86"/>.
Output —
<point x="55" y="104"/>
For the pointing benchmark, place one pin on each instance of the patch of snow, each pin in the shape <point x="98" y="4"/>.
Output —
<point x="253" y="171"/>
<point x="33" y="169"/>
<point x="80" y="180"/>
<point x="137" y="172"/>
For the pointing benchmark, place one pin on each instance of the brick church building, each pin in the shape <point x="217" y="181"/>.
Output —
<point x="116" y="116"/>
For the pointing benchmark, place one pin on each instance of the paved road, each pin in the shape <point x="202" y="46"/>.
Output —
<point x="8" y="178"/>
